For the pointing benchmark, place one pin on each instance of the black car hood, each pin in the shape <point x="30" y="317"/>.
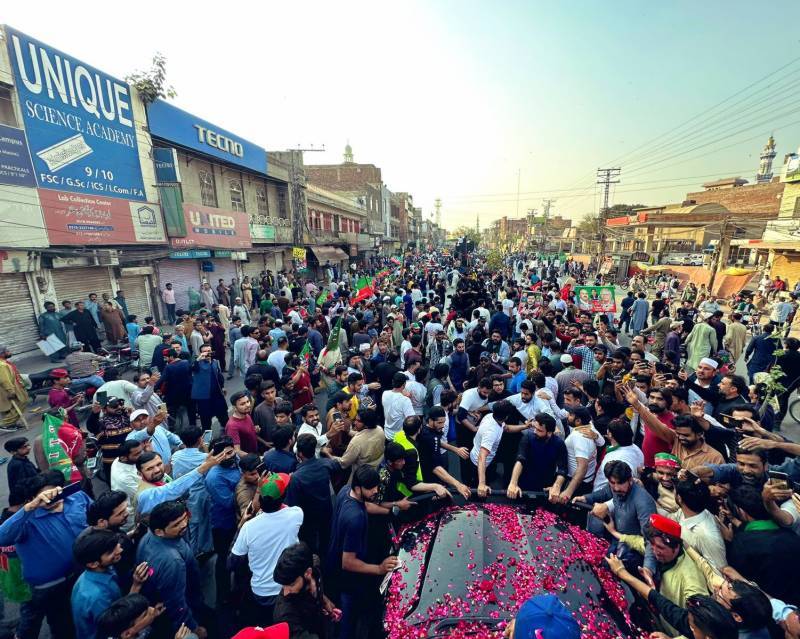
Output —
<point x="467" y="570"/>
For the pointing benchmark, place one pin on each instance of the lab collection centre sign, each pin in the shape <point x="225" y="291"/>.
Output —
<point x="78" y="121"/>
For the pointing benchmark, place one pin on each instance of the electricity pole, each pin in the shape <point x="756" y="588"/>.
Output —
<point x="546" y="204"/>
<point x="297" y="185"/>
<point x="606" y="178"/>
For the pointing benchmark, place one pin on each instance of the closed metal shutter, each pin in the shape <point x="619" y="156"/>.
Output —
<point x="254" y="267"/>
<point x="182" y="274"/>
<point x="18" y="321"/>
<point x="75" y="284"/>
<point x="225" y="269"/>
<point x="136" y="297"/>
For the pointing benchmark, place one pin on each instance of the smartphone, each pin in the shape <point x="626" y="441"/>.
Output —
<point x="337" y="415"/>
<point x="69" y="489"/>
<point x="730" y="422"/>
<point x="207" y="437"/>
<point x="102" y="397"/>
<point x="162" y="408"/>
<point x="779" y="480"/>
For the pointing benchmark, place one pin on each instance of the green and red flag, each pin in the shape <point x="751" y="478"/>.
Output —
<point x="364" y="286"/>
<point x="54" y="451"/>
<point x="383" y="273"/>
<point x="305" y="352"/>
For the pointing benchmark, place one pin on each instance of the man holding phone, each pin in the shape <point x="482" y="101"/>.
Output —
<point x="111" y="428"/>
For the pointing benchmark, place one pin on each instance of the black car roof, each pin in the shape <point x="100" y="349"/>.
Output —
<point x="481" y="562"/>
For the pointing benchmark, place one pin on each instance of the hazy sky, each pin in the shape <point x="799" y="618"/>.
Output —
<point x="452" y="98"/>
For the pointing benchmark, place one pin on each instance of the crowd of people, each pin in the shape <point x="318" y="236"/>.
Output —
<point x="207" y="511"/>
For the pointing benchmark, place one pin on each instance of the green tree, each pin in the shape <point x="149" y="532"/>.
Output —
<point x="469" y="233"/>
<point x="152" y="84"/>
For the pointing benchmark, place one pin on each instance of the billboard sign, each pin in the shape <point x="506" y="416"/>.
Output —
<point x="78" y="120"/>
<point x="207" y="227"/>
<point x="15" y="160"/>
<point x="77" y="220"/>
<point x="793" y="168"/>
<point x="166" y="162"/>
<point x="184" y="129"/>
<point x="597" y="299"/>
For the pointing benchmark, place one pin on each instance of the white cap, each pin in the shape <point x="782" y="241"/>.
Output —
<point x="566" y="359"/>
<point x="709" y="362"/>
<point x="138" y="413"/>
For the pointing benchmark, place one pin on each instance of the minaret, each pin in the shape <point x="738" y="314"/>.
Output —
<point x="765" y="166"/>
<point x="348" y="153"/>
<point x="477" y="222"/>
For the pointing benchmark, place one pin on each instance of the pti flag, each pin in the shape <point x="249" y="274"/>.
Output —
<point x="54" y="451"/>
<point x="305" y="352"/>
<point x="364" y="287"/>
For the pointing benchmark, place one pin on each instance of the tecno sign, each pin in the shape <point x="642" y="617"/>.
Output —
<point x="219" y="141"/>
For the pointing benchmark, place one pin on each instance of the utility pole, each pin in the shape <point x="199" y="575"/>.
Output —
<point x="721" y="251"/>
<point x="546" y="204"/>
<point x="519" y="173"/>
<point x="606" y="178"/>
<point x="297" y="184"/>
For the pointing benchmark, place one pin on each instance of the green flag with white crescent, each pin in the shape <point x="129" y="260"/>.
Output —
<point x="333" y="340"/>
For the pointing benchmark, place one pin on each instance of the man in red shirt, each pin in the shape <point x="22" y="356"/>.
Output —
<point x="59" y="397"/>
<point x="240" y="427"/>
<point x="657" y="401"/>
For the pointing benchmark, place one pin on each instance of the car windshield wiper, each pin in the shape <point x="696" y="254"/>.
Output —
<point x="442" y="627"/>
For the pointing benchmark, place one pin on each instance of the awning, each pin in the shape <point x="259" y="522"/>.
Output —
<point x="328" y="254"/>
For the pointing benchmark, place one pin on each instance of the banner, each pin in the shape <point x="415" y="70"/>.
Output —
<point x="81" y="220"/>
<point x="597" y="299"/>
<point x="209" y="227"/>
<point x="15" y="160"/>
<point x="78" y="121"/>
<point x="54" y="452"/>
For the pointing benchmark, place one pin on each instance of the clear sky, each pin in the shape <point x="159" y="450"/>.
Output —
<point x="455" y="99"/>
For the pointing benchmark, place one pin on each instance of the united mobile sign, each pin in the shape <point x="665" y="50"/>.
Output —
<point x="207" y="227"/>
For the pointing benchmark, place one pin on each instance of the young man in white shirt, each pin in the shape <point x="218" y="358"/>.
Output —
<point x="396" y="406"/>
<point x="469" y="414"/>
<point x="268" y="530"/>
<point x="485" y="445"/>
<point x="622" y="448"/>
<point x="581" y="454"/>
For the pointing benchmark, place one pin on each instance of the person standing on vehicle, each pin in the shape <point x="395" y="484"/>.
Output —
<point x="346" y="568"/>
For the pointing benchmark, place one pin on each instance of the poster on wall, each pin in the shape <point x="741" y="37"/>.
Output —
<point x="15" y="160"/>
<point x="75" y="219"/>
<point x="597" y="299"/>
<point x="299" y="258"/>
<point x="78" y="121"/>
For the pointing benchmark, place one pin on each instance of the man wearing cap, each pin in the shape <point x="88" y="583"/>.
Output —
<point x="265" y="534"/>
<point x="149" y="429"/>
<point x="111" y="429"/>
<point x="680" y="576"/>
<point x="59" y="397"/>
<point x="700" y="343"/>
<point x="568" y="375"/>
<point x="543" y="617"/>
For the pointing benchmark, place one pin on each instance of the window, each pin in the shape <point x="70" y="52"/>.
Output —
<point x="261" y="199"/>
<point x="237" y="195"/>
<point x="282" y="210"/>
<point x="208" y="189"/>
<point x="7" y="107"/>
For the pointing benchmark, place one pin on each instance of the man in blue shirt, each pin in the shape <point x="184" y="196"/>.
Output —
<point x="97" y="587"/>
<point x="281" y="459"/>
<point x="149" y="429"/>
<point x="43" y="531"/>
<point x="518" y="375"/>
<point x="221" y="486"/>
<point x="176" y="580"/>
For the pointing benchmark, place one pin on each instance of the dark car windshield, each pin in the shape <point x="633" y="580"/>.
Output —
<point x="478" y="564"/>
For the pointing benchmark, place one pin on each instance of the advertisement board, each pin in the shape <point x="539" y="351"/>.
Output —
<point x="207" y="227"/>
<point x="184" y="129"/>
<point x="75" y="219"/>
<point x="21" y="221"/>
<point x="793" y="168"/>
<point x="166" y="163"/>
<point x="597" y="299"/>
<point x="78" y="121"/>
<point x="15" y="160"/>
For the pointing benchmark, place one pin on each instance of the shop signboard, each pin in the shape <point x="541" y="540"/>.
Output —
<point x="192" y="254"/>
<point x="170" y="123"/>
<point x="597" y="299"/>
<point x="262" y="231"/>
<point x="15" y="160"/>
<point x="208" y="227"/>
<point x="166" y="163"/>
<point x="78" y="121"/>
<point x="78" y="220"/>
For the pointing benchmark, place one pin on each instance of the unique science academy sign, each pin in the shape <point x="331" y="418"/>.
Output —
<point x="78" y="121"/>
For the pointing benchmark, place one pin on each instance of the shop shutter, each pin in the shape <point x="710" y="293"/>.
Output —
<point x="136" y="297"/>
<point x="254" y="267"/>
<point x="18" y="321"/>
<point x="225" y="269"/>
<point x="75" y="284"/>
<point x="182" y="274"/>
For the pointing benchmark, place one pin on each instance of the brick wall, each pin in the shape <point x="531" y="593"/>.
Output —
<point x="343" y="177"/>
<point x="753" y="198"/>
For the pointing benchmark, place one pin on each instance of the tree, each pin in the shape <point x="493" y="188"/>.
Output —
<point x="151" y="84"/>
<point x="588" y="224"/>
<point x="469" y="233"/>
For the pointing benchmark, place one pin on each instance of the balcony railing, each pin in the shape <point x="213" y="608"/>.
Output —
<point x="259" y="218"/>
